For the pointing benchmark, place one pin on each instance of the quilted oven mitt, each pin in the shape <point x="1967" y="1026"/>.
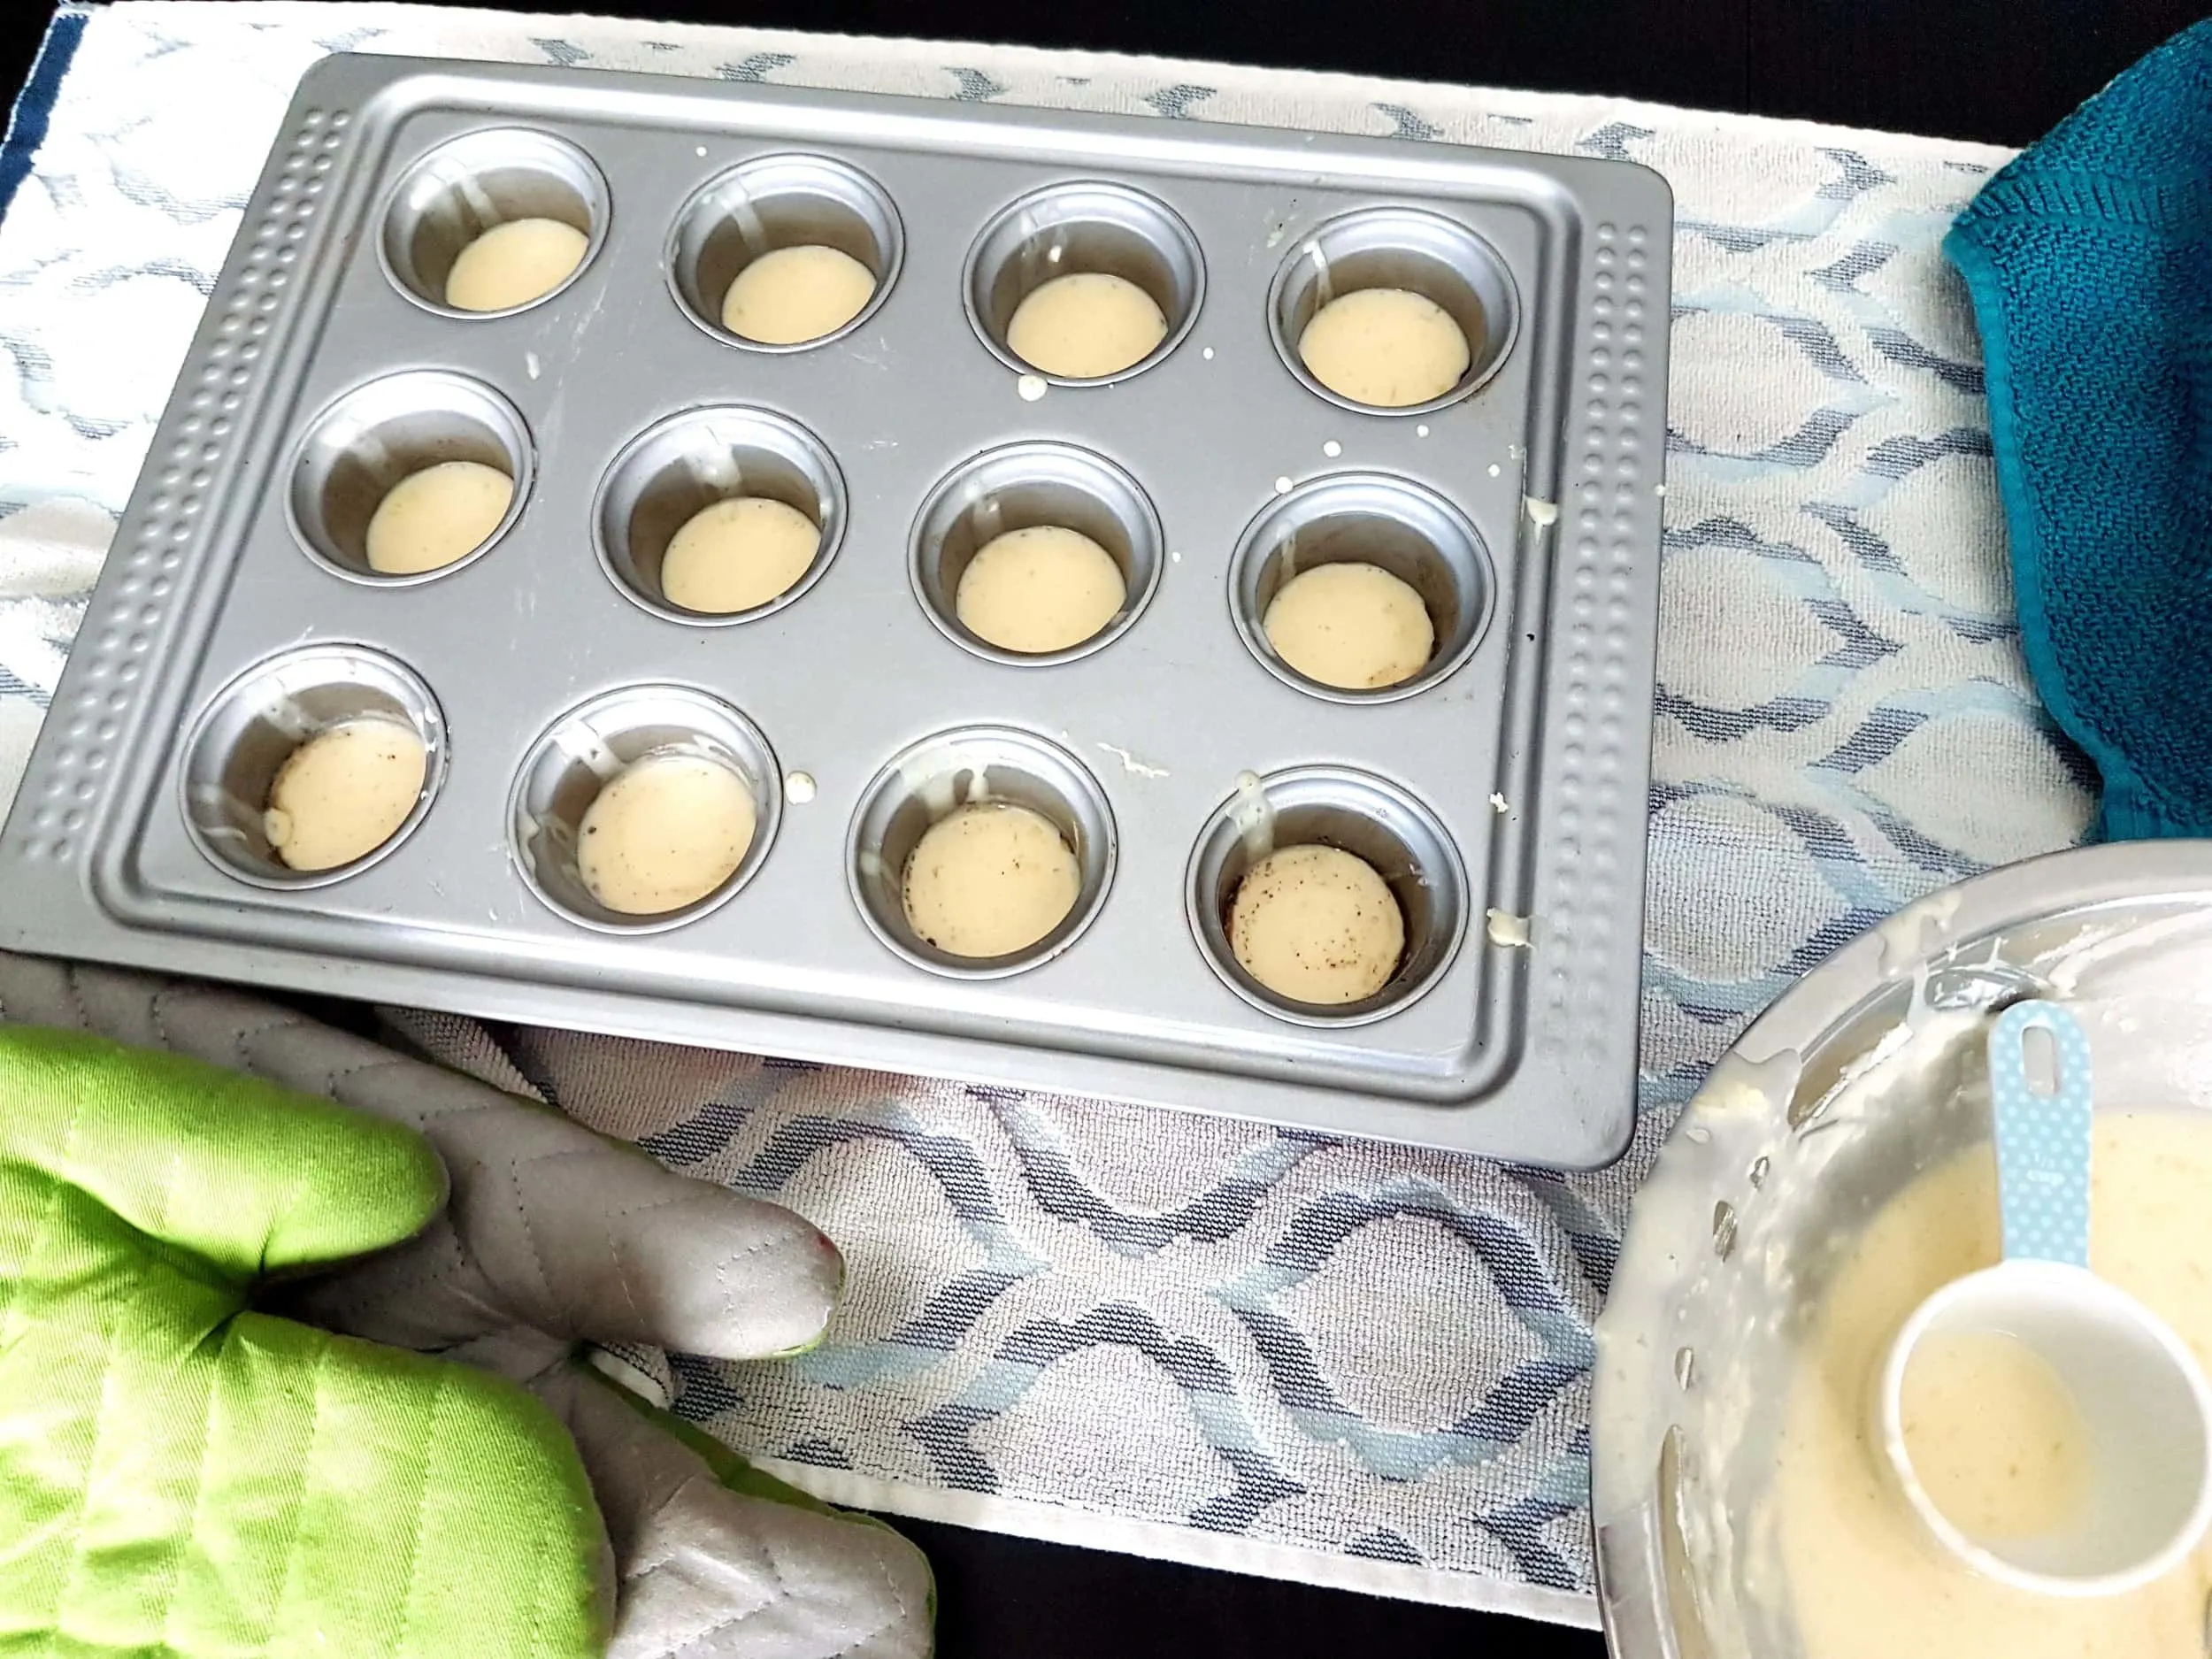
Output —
<point x="179" y="1472"/>
<point x="201" y="1454"/>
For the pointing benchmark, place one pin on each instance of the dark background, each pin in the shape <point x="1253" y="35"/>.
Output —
<point x="2004" y="71"/>
<point x="1999" y="70"/>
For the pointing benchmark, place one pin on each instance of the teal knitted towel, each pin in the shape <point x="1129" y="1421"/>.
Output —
<point x="2089" y="259"/>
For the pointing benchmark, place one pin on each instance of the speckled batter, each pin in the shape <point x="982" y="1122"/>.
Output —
<point x="1317" y="925"/>
<point x="1086" y="324"/>
<point x="737" y="554"/>
<point x="1043" y="588"/>
<point x="1385" y="347"/>
<point x="340" y="795"/>
<point x="434" y="518"/>
<point x="989" y="879"/>
<point x="663" y="832"/>
<point x="792" y="295"/>
<point x="1350" y="624"/>
<point x="513" y="264"/>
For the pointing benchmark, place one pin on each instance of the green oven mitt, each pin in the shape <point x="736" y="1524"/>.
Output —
<point x="182" y="1475"/>
<point x="551" y="1244"/>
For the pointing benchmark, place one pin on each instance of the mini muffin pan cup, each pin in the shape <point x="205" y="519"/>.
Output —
<point x="1501" y="792"/>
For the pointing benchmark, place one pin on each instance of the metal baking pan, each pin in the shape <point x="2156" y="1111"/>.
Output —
<point x="1502" y="793"/>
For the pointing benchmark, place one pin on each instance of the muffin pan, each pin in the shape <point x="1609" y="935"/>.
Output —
<point x="1501" y="793"/>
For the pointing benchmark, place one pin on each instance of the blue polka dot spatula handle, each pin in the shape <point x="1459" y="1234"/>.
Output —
<point x="2039" y="1086"/>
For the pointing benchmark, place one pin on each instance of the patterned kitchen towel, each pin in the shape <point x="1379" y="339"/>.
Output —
<point x="1328" y="1360"/>
<point x="2088" y="260"/>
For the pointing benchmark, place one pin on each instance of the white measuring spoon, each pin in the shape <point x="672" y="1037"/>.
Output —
<point x="2143" y="1401"/>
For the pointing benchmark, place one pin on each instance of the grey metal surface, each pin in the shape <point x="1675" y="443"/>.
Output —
<point x="1530" y="755"/>
<point x="1854" y="1081"/>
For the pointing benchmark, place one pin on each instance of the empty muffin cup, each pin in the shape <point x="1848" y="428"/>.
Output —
<point x="585" y="749"/>
<point x="681" y="466"/>
<point x="975" y="765"/>
<point x="255" y="724"/>
<point x="1084" y="229"/>
<point x="380" y="434"/>
<point x="1027" y="486"/>
<point x="1376" y="821"/>
<point x="472" y="184"/>
<point x="1407" y="249"/>
<point x="1392" y="524"/>
<point x="771" y="202"/>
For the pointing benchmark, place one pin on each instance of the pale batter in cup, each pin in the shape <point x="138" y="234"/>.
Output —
<point x="1317" y="925"/>
<point x="514" y="262"/>
<point x="989" y="879"/>
<point x="793" y="294"/>
<point x="737" y="554"/>
<point x="664" y="832"/>
<point x="1352" y="625"/>
<point x="344" y="792"/>
<point x="437" y="516"/>
<point x="1086" y="324"/>
<point x="1996" y="1439"/>
<point x="1042" y="588"/>
<point x="1864" y="1579"/>
<point x="1388" y="348"/>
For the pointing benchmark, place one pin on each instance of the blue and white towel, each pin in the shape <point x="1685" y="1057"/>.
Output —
<point x="1211" y="1342"/>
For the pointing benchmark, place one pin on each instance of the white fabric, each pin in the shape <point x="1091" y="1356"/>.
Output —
<point x="1342" y="1363"/>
